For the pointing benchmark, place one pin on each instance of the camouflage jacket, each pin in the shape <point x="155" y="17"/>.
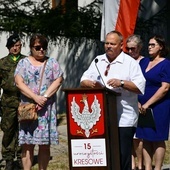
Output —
<point x="10" y="97"/>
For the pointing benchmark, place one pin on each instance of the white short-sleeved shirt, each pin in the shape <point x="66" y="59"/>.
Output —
<point x="123" y="67"/>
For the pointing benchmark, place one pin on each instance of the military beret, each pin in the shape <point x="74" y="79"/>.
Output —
<point x="12" y="40"/>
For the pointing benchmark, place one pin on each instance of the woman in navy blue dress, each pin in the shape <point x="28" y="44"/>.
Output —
<point x="157" y="75"/>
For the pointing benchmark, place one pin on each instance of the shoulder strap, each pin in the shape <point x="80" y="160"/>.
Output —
<point x="42" y="75"/>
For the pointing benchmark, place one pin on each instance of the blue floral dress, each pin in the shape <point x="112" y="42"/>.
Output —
<point x="44" y="130"/>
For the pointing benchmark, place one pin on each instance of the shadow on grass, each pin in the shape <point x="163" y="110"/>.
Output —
<point x="35" y="161"/>
<point x="61" y="119"/>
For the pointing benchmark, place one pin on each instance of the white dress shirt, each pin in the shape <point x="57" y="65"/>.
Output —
<point x="123" y="67"/>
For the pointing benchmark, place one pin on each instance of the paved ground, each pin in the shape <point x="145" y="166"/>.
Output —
<point x="55" y="149"/>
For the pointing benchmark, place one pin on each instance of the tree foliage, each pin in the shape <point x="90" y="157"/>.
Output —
<point x="30" y="16"/>
<point x="157" y="24"/>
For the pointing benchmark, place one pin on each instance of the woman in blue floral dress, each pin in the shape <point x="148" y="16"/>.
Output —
<point x="43" y="131"/>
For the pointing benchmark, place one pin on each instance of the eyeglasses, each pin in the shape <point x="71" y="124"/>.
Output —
<point x="152" y="45"/>
<point x="38" y="47"/>
<point x="107" y="70"/>
<point x="130" y="48"/>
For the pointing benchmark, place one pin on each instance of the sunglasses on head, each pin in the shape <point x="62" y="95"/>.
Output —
<point x="130" y="48"/>
<point x="39" y="47"/>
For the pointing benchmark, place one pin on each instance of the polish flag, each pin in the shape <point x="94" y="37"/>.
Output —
<point x="119" y="15"/>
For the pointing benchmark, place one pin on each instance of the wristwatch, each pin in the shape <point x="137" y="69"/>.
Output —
<point x="45" y="95"/>
<point x="122" y="83"/>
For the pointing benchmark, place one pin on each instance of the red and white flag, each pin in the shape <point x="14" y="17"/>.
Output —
<point x="119" y="15"/>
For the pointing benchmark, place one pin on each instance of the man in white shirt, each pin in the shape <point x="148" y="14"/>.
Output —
<point x="121" y="73"/>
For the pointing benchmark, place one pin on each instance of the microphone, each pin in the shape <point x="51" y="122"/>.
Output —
<point x="96" y="61"/>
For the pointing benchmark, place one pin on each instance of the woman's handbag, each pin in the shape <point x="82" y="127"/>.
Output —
<point x="28" y="111"/>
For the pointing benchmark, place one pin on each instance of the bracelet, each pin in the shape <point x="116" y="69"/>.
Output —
<point x="45" y="95"/>
<point x="122" y="83"/>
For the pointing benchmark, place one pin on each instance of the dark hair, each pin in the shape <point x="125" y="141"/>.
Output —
<point x="161" y="41"/>
<point x="12" y="40"/>
<point x="40" y="39"/>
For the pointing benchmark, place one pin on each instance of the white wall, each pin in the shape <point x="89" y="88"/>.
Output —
<point x="4" y="51"/>
<point x="82" y="3"/>
<point x="74" y="59"/>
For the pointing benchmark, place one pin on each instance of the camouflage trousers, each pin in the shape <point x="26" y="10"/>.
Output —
<point x="9" y="126"/>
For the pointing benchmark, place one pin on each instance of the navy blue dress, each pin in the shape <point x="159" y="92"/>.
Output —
<point x="161" y="109"/>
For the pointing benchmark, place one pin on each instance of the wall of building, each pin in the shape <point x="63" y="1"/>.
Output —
<point x="74" y="59"/>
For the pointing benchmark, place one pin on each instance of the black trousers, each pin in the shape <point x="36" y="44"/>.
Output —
<point x="126" y="142"/>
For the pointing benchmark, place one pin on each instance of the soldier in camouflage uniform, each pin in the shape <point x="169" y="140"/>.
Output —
<point x="9" y="103"/>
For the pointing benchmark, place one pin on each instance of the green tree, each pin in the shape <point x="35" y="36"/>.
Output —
<point x="30" y="16"/>
<point x="156" y="24"/>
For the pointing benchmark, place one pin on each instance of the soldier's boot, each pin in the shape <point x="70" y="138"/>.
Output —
<point x="18" y="164"/>
<point x="9" y="165"/>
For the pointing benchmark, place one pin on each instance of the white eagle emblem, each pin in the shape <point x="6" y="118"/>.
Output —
<point x="86" y="120"/>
